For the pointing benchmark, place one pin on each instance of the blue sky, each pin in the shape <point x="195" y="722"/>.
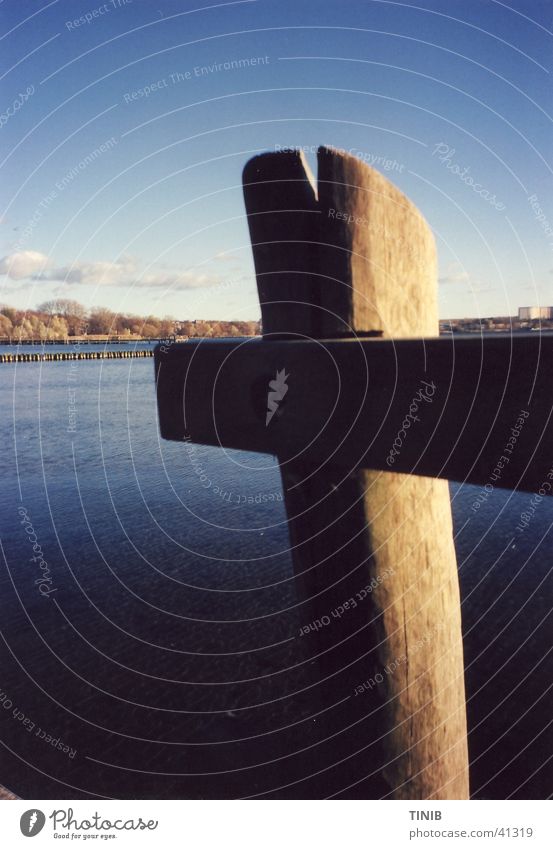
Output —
<point x="115" y="198"/>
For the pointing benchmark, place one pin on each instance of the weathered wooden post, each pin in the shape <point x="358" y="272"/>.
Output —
<point x="356" y="380"/>
<point x="360" y="259"/>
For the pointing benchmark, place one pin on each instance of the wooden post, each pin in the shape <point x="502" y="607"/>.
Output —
<point x="357" y="257"/>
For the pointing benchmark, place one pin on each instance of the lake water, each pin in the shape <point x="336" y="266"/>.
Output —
<point x="162" y="659"/>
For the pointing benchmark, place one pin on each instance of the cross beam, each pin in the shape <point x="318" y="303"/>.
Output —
<point x="350" y="374"/>
<point x="467" y="408"/>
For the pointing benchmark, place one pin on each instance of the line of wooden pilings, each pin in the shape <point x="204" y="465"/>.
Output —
<point x="74" y="355"/>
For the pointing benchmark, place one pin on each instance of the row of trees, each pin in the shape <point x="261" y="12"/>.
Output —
<point x="217" y="328"/>
<point x="62" y="318"/>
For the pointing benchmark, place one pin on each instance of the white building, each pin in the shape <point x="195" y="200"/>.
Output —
<point x="526" y="313"/>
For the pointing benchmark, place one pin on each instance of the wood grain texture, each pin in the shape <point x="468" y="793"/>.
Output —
<point x="373" y="268"/>
<point x="484" y="413"/>
<point x="382" y="249"/>
<point x="6" y="794"/>
<point x="280" y="197"/>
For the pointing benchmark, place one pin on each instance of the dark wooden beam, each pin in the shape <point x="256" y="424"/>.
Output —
<point x="474" y="409"/>
<point x="352" y="256"/>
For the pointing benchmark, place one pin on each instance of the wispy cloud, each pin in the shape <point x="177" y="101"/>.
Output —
<point x="482" y="288"/>
<point x="125" y="272"/>
<point x="177" y="281"/>
<point x="455" y="274"/>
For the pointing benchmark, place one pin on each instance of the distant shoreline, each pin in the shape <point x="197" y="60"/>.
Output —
<point x="455" y="327"/>
<point x="93" y="340"/>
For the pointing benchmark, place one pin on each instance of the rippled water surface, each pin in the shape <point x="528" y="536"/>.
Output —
<point x="169" y="628"/>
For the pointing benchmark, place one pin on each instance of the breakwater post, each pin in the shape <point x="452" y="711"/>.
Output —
<point x="369" y="413"/>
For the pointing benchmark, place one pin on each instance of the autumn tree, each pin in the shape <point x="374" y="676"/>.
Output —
<point x="6" y="327"/>
<point x="101" y="320"/>
<point x="11" y="313"/>
<point x="57" y="328"/>
<point x="64" y="307"/>
<point x="62" y="317"/>
<point x="166" y="326"/>
<point x="150" y="330"/>
<point x="72" y="311"/>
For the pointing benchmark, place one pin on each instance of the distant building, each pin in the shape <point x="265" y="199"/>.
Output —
<point x="529" y="313"/>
